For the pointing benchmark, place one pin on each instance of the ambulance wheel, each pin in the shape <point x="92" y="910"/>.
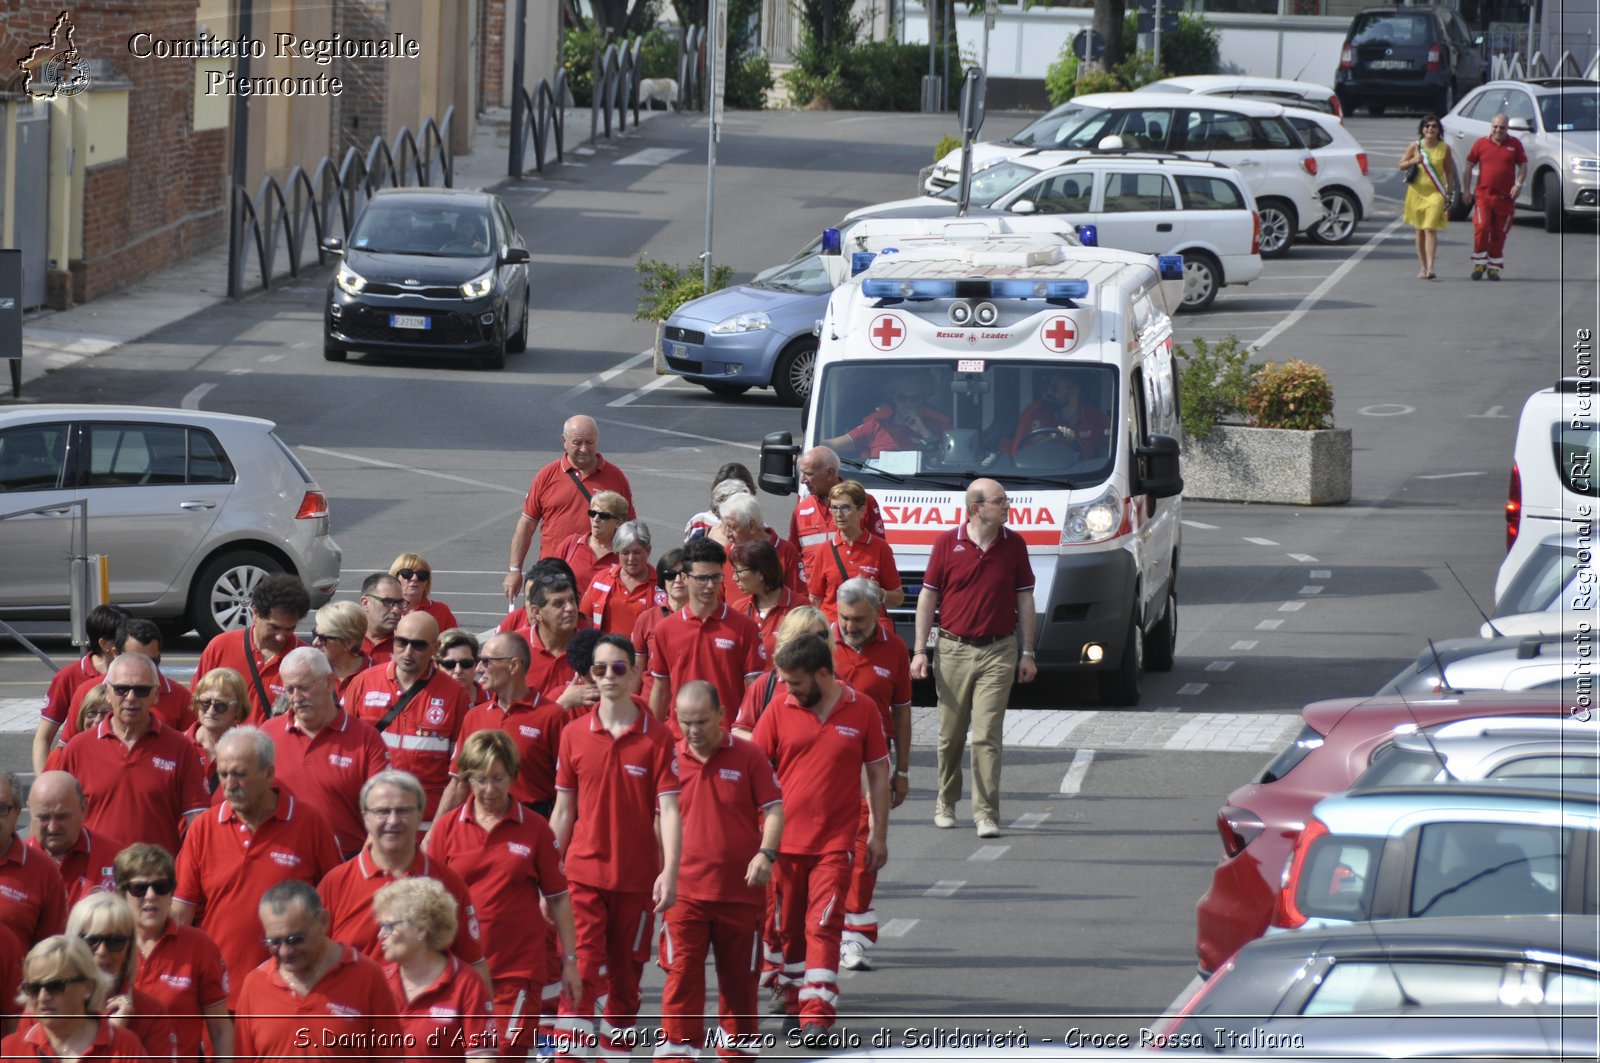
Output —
<point x="791" y="377"/>
<point x="1124" y="685"/>
<point x="1161" y="643"/>
<point x="1202" y="276"/>
<point x="519" y="342"/>
<point x="331" y="353"/>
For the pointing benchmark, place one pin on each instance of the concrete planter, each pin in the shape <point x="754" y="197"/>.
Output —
<point x="1238" y="464"/>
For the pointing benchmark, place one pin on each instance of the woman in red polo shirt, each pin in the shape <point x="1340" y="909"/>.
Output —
<point x="339" y="629"/>
<point x="416" y="587"/>
<point x="64" y="993"/>
<point x="674" y="587"/>
<point x="592" y="551"/>
<point x="443" y="1003"/>
<point x="618" y="593"/>
<point x="762" y="595"/>
<point x="105" y="924"/>
<point x="850" y="551"/>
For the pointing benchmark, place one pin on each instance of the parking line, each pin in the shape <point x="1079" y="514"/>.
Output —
<point x="1029" y="821"/>
<point x="1291" y="607"/>
<point x="639" y="393"/>
<point x="1321" y="573"/>
<point x="897" y="928"/>
<point x="1311" y="589"/>
<point x="1073" y="781"/>
<point x="1327" y="286"/>
<point x="1305" y="559"/>
<point x="1219" y="666"/>
<point x="1260" y="542"/>
<point x="1197" y="524"/>
<point x="1244" y="644"/>
<point x="987" y="854"/>
<point x="1269" y="625"/>
<point x="1191" y="689"/>
<point x="943" y="888"/>
<point x="412" y="468"/>
<point x="191" y="401"/>
<point x="681" y="435"/>
<point x="605" y="377"/>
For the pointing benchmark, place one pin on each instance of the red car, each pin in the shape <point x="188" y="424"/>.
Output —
<point x="1261" y="820"/>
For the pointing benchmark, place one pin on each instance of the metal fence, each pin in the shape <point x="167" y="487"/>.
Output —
<point x="615" y="87"/>
<point x="1512" y="67"/>
<point x="542" y="115"/>
<point x="692" y="69"/>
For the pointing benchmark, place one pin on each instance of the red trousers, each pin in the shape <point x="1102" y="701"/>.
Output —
<point x="771" y="943"/>
<point x="614" y="932"/>
<point x="811" y="893"/>
<point x="516" y="1015"/>
<point x="1491" y="221"/>
<point x="860" y="918"/>
<point x="731" y="932"/>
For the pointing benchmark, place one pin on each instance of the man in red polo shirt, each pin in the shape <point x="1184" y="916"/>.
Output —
<point x="869" y="656"/>
<point x="811" y="520"/>
<point x="56" y="807"/>
<point x="559" y="496"/>
<point x="138" y="635"/>
<point x="277" y="605"/>
<point x="101" y="626"/>
<point x="550" y="616"/>
<point x="415" y="705"/>
<point x="1502" y="165"/>
<point x="532" y="721"/>
<point x="732" y="824"/>
<point x="142" y="778"/>
<point x="315" y="998"/>
<point x="381" y="600"/>
<point x="742" y="522"/>
<point x="706" y="639"/>
<point x="820" y="738"/>
<point x="906" y="423"/>
<point x="617" y="776"/>
<point x="979" y="582"/>
<point x="324" y="754"/>
<point x="260" y="835"/>
<point x="33" y="901"/>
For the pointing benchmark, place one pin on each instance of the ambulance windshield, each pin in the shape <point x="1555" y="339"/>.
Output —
<point x="938" y="418"/>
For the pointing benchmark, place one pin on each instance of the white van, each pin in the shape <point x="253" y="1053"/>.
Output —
<point x="985" y="330"/>
<point x="1553" y="489"/>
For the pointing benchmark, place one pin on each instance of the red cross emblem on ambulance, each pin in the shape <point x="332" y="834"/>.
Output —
<point x="1059" y="334"/>
<point x="887" y="332"/>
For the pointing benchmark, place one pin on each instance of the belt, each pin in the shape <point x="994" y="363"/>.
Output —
<point x="985" y="640"/>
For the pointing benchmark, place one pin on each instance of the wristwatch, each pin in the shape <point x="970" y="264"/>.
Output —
<point x="770" y="854"/>
<point x="573" y="956"/>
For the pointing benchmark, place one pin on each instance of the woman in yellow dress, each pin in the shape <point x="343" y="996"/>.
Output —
<point x="1429" y="192"/>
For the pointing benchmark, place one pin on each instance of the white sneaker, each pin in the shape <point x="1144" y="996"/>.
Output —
<point x="944" y="817"/>
<point x="987" y="828"/>
<point x="852" y="957"/>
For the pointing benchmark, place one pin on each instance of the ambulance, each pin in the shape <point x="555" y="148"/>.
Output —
<point x="1043" y="365"/>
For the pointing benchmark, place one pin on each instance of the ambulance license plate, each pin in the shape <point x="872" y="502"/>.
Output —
<point x="408" y="321"/>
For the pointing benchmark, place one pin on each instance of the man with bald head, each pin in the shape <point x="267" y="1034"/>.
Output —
<point x="980" y="583"/>
<point x="56" y="807"/>
<point x="417" y="707"/>
<point x="812" y="520"/>
<point x="559" y="496"/>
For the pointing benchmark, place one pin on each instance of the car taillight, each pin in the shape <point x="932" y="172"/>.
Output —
<point x="313" y="505"/>
<point x="1285" y="911"/>
<point x="1433" y="59"/>
<point x="1338" y="111"/>
<point x="1309" y="164"/>
<point x="1255" y="233"/>
<point x="1513" y="507"/>
<point x="1346" y="58"/>
<point x="1361" y="161"/>
<point x="1238" y="827"/>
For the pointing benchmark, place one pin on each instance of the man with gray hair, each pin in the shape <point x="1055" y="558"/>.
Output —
<point x="742" y="523"/>
<point x="32" y="899"/>
<point x="812" y="522"/>
<point x="260" y="835"/>
<point x="56" y="807"/>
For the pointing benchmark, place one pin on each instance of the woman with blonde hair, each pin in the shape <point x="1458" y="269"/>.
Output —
<point x="339" y="630"/>
<point x="63" y="991"/>
<point x="416" y="585"/>
<point x="590" y="551"/>
<point x="94" y="707"/>
<point x="221" y="702"/>
<point x="444" y="1004"/>
<point x="104" y="922"/>
<point x="767" y="688"/>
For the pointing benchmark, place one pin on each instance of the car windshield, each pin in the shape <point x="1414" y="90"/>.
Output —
<point x="806" y="274"/>
<point x="1538" y="583"/>
<point x="1570" y="112"/>
<point x="992" y="182"/>
<point x="938" y="421"/>
<point x="1046" y="131"/>
<point x="1391" y="29"/>
<point x="396" y="229"/>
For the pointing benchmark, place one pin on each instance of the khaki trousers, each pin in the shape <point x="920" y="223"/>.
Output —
<point x="973" y="685"/>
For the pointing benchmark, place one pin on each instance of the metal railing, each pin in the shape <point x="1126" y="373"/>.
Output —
<point x="81" y="576"/>
<point x="692" y="69"/>
<point x="615" y="87"/>
<point x="542" y="115"/>
<point x="274" y="213"/>
<point x="1512" y="68"/>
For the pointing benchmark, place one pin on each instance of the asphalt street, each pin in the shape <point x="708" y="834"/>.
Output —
<point x="1082" y="914"/>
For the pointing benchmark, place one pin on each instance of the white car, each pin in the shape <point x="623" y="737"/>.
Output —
<point x="1154" y="204"/>
<point x="1342" y="179"/>
<point x="1552" y="491"/>
<point x="1254" y="138"/>
<point x="1307" y="94"/>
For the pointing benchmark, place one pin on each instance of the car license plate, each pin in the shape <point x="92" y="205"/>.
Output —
<point x="408" y="321"/>
<point x="1389" y="64"/>
<point x="678" y="350"/>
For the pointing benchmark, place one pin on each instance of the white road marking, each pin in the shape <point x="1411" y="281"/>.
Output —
<point x="684" y="435"/>
<point x="1304" y="559"/>
<point x="191" y="401"/>
<point x="1311" y="588"/>
<point x="944" y="887"/>
<point x="1291" y="607"/>
<point x="1492" y="411"/>
<point x="1072" y="782"/>
<point x="1328" y="285"/>
<point x="1026" y="821"/>
<point x="608" y="375"/>
<point x="1386" y="409"/>
<point x="1219" y="666"/>
<point x="413" y="469"/>
<point x="639" y="393"/>
<point x="1244" y="644"/>
<point x="1269" y="625"/>
<point x="1449" y="475"/>
<point x="1260" y="542"/>
<point x="238" y="372"/>
<point x="1191" y="689"/>
<point x="987" y="854"/>
<point x="650" y="157"/>
<point x="897" y="928"/>
<point x="1321" y="573"/>
<point x="271" y="358"/>
<point x="1197" y="524"/>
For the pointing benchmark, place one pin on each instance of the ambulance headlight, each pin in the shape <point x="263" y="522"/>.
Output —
<point x="746" y="322"/>
<point x="350" y="282"/>
<point x="1093" y="522"/>
<point x="479" y="286"/>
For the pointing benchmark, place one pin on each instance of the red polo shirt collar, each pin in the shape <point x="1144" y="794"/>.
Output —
<point x="369" y="869"/>
<point x="338" y="723"/>
<point x="640" y="725"/>
<point x="282" y="809"/>
<point x="716" y="614"/>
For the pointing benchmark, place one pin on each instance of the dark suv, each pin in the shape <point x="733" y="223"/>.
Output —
<point x="1423" y="57"/>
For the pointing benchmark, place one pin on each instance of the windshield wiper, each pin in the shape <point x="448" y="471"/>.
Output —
<point x="864" y="467"/>
<point x="1051" y="481"/>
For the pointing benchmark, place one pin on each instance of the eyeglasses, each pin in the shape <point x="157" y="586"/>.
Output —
<point x="743" y="571"/>
<point x="6" y="810"/>
<point x="1002" y="501"/>
<point x="704" y="578"/>
<point x="317" y="636"/>
<point x="401" y="643"/>
<point x="294" y="941"/>
<point x="110" y="942"/>
<point x="389" y="926"/>
<point x="422" y="574"/>
<point x="159" y="886"/>
<point x="595" y="514"/>
<point x="599" y="668"/>
<point x="387" y="603"/>
<point x="210" y="705"/>
<point x="138" y="690"/>
<point x="385" y="813"/>
<point x="55" y="987"/>
<point x="842" y="509"/>
<point x="455" y="664"/>
<point x="486" y="659"/>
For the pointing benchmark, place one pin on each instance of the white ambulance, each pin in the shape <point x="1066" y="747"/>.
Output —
<point x="1047" y="367"/>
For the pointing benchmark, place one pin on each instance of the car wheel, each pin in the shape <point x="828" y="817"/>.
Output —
<point x="1338" y="224"/>
<point x="519" y="342"/>
<point x="1277" y="227"/>
<point x="1161" y="644"/>
<point x="330" y="353"/>
<point x="724" y="389"/>
<point x="1375" y="109"/>
<point x="496" y="358"/>
<point x="220" y="598"/>
<point x="1124" y="685"/>
<point x="791" y="377"/>
<point x="1202" y="277"/>
<point x="1550" y="200"/>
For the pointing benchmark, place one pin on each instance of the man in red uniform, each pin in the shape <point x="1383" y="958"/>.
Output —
<point x="732" y="824"/>
<point x="1502" y="165"/>
<point x="56" y="807"/>
<point x="382" y="601"/>
<point x="532" y="721"/>
<point x="742" y="523"/>
<point x="1060" y="415"/>
<point x="551" y="615"/>
<point x="907" y="423"/>
<point x="979" y="582"/>
<point x="143" y="779"/>
<point x="101" y="627"/>
<point x="559" y="496"/>
<point x="33" y="901"/>
<point x="138" y="635"/>
<point x="869" y="656"/>
<point x="811" y="520"/>
<point x="820" y="737"/>
<point x="706" y="639"/>
<point x="261" y="834"/>
<point x="315" y="998"/>
<point x="324" y="754"/>
<point x="415" y="706"/>
<point x="277" y="605"/>
<point x="617" y="777"/>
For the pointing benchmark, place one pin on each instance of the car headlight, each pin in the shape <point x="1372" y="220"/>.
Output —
<point x="478" y="287"/>
<point x="746" y="322"/>
<point x="350" y="282"/>
<point x="1093" y="522"/>
<point x="1585" y="165"/>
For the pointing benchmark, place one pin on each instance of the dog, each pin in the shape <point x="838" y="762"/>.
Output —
<point x="663" y="89"/>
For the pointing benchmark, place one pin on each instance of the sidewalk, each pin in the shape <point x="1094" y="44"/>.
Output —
<point x="55" y="339"/>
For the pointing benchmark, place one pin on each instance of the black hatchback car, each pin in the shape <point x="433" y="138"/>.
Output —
<point x="1418" y="57"/>
<point x="430" y="270"/>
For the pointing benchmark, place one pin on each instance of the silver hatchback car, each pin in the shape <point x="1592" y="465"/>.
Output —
<point x="191" y="509"/>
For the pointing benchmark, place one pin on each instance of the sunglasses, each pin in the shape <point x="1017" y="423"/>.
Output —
<point x="111" y="942"/>
<point x="387" y="603"/>
<point x="669" y="574"/>
<point x="205" y="705"/>
<point x="617" y="668"/>
<point x="294" y="941"/>
<point x="138" y="690"/>
<point x="401" y="643"/>
<point x="160" y="887"/>
<point x="55" y="987"/>
<point x="455" y="664"/>
<point x="595" y="514"/>
<point x="415" y="573"/>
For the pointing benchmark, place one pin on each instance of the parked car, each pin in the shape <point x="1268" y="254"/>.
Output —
<point x="1254" y="138"/>
<point x="1260" y="820"/>
<point x="1495" y="747"/>
<point x="1342" y="181"/>
<point x="1478" y="987"/>
<point x="191" y="508"/>
<point x="1503" y="662"/>
<point x="1158" y="204"/>
<point x="429" y="271"/>
<point x="1555" y="574"/>
<point x="1304" y="94"/>
<point x="1558" y="122"/>
<point x="1424" y="57"/>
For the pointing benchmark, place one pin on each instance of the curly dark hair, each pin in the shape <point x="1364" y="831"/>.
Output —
<point x="280" y="592"/>
<point x="580" y="649"/>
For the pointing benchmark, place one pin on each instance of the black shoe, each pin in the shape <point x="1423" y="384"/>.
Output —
<point x="814" y="1035"/>
<point x="791" y="1023"/>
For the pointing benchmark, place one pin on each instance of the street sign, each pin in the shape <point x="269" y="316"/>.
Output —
<point x="1088" y="45"/>
<point x="973" y="90"/>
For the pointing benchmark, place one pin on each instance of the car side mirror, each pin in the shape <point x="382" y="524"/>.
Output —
<point x="332" y="243"/>
<point x="1521" y="125"/>
<point x="1156" y="466"/>
<point x="779" y="457"/>
<point x="513" y="256"/>
<point x="1024" y="206"/>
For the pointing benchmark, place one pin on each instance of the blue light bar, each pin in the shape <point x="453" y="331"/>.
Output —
<point x="1089" y="235"/>
<point x="1171" y="267"/>
<point x="831" y="242"/>
<point x="860" y="260"/>
<point x="912" y="288"/>
<point x="1022" y="289"/>
<point x="908" y="289"/>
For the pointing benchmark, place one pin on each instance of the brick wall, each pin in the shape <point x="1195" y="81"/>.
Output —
<point x="492" y="44"/>
<point x="361" y="112"/>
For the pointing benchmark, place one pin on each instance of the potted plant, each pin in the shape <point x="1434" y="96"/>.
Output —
<point x="1259" y="432"/>
<point x="663" y="287"/>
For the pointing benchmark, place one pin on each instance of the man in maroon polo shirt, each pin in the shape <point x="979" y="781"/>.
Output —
<point x="56" y="807"/>
<point x="706" y="639"/>
<point x="980" y="584"/>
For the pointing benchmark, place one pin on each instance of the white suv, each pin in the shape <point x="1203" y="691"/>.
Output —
<point x="1553" y="472"/>
<point x="1254" y="138"/>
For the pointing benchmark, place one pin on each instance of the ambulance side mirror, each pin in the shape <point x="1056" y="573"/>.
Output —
<point x="1156" y="468"/>
<point x="779" y="456"/>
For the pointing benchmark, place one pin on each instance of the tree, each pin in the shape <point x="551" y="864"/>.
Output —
<point x="1109" y="16"/>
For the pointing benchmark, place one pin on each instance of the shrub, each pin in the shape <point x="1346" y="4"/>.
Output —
<point x="1140" y="68"/>
<point x="946" y="145"/>
<point x="1194" y="49"/>
<point x="1097" y="80"/>
<point x="748" y="83"/>
<point x="883" y="76"/>
<point x="1214" y="384"/>
<point x="1291" y="394"/>
<point x="658" y="56"/>
<point x="663" y="287"/>
<point x="578" y="49"/>
<point x="1061" y="76"/>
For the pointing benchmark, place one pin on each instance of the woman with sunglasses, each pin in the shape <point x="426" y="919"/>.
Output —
<point x="762" y="595"/>
<point x="458" y="656"/>
<point x="444" y="1004"/>
<point x="591" y="551"/>
<point x="1430" y="190"/>
<point x="619" y="593"/>
<point x="104" y="923"/>
<point x="416" y="584"/>
<point x="179" y="966"/>
<point x="221" y="702"/>
<point x="339" y="629"/>
<point x="64" y="991"/>
<point x="673" y="587"/>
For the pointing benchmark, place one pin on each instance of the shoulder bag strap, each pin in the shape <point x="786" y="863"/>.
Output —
<point x="766" y="695"/>
<point x="833" y="545"/>
<point x="400" y="706"/>
<point x="255" y="674"/>
<point x="577" y="482"/>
